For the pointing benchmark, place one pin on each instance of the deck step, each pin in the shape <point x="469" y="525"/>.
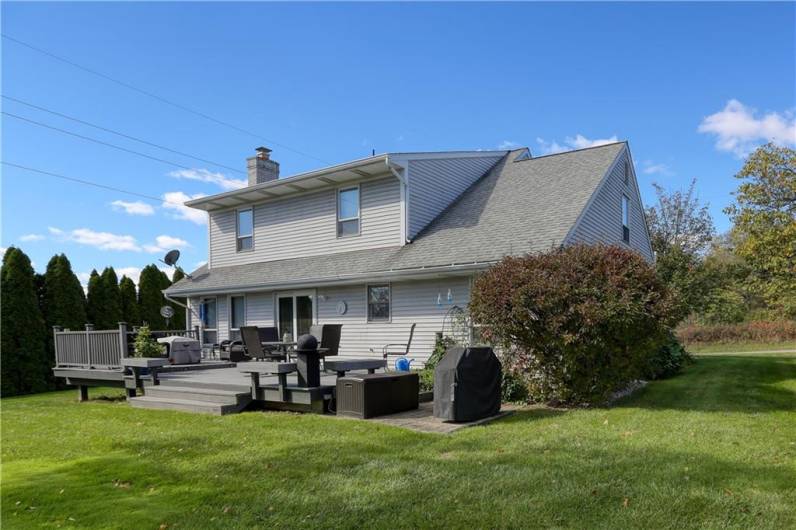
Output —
<point x="243" y="386"/>
<point x="211" y="395"/>
<point x="187" y="405"/>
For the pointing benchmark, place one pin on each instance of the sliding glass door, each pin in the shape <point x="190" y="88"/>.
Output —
<point x="295" y="314"/>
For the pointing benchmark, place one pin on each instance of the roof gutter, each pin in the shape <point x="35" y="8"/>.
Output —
<point x="342" y="279"/>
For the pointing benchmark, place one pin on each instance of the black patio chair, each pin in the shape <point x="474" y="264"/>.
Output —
<point x="254" y="349"/>
<point x="328" y="336"/>
<point x="398" y="350"/>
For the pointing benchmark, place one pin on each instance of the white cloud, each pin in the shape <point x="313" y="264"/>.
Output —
<point x="131" y="272"/>
<point x="174" y="200"/>
<point x="3" y="251"/>
<point x="31" y="237"/>
<point x="651" y="168"/>
<point x="55" y="231"/>
<point x="573" y="142"/>
<point x="739" y="129"/>
<point x="164" y="243"/>
<point x="103" y="240"/>
<point x="507" y="144"/>
<point x="134" y="208"/>
<point x="203" y="175"/>
<point x="200" y="263"/>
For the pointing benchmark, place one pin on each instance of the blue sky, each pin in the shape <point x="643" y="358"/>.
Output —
<point x="693" y="87"/>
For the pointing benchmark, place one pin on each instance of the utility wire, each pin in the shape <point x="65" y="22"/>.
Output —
<point x="90" y="183"/>
<point x="88" y="138"/>
<point x="123" y="135"/>
<point x="160" y="98"/>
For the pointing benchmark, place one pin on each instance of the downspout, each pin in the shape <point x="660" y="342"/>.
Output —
<point x="396" y="169"/>
<point x="173" y="301"/>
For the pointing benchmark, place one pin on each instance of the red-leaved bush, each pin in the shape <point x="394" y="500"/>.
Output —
<point x="578" y="322"/>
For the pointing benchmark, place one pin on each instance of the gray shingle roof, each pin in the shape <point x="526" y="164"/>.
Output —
<point x="518" y="207"/>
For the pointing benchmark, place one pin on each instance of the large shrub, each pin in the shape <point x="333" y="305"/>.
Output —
<point x="578" y="322"/>
<point x="667" y="360"/>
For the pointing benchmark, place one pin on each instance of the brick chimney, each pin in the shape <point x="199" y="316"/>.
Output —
<point x="261" y="168"/>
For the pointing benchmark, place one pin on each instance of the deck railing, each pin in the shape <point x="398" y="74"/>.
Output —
<point x="102" y="349"/>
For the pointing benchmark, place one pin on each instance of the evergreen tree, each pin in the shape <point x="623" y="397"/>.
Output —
<point x="178" y="320"/>
<point x="129" y="302"/>
<point x="64" y="302"/>
<point x="112" y="303"/>
<point x="26" y="368"/>
<point x="150" y="296"/>
<point x="94" y="299"/>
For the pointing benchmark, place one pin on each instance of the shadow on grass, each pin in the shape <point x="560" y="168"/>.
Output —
<point x="737" y="383"/>
<point x="346" y="481"/>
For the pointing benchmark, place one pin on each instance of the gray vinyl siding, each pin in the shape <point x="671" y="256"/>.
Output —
<point x="260" y="309"/>
<point x="435" y="184"/>
<point x="412" y="302"/>
<point x="306" y="225"/>
<point x="602" y="220"/>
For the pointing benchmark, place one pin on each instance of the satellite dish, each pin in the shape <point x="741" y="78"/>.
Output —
<point x="167" y="311"/>
<point x="171" y="257"/>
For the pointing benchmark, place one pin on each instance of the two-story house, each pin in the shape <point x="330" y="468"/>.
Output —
<point x="380" y="243"/>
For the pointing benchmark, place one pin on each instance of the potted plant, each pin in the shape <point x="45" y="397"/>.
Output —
<point x="145" y="345"/>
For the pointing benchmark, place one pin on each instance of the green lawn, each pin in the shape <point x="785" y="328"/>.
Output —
<point x="713" y="448"/>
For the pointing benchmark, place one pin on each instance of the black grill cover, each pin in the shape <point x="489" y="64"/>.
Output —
<point x="467" y="384"/>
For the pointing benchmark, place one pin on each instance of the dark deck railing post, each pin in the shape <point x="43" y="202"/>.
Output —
<point x="122" y="340"/>
<point x="89" y="329"/>
<point x="56" y="329"/>
<point x="198" y="335"/>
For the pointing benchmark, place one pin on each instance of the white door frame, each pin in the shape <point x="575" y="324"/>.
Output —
<point x="313" y="296"/>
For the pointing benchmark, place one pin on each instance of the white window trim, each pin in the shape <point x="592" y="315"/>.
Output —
<point x="367" y="304"/>
<point x="229" y="311"/>
<point x="238" y="237"/>
<point x="358" y="217"/>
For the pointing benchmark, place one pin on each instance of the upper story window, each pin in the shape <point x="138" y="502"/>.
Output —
<point x="245" y="229"/>
<point x="348" y="212"/>
<point x="378" y="303"/>
<point x="625" y="219"/>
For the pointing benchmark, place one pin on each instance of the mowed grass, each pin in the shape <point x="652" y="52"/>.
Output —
<point x="712" y="448"/>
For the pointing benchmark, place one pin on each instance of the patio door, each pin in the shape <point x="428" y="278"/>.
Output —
<point x="295" y="313"/>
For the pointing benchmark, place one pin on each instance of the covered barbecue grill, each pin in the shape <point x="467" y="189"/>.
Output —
<point x="182" y="350"/>
<point x="467" y="384"/>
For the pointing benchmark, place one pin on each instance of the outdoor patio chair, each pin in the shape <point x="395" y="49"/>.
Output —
<point x="328" y="336"/>
<point x="251" y="344"/>
<point x="398" y="350"/>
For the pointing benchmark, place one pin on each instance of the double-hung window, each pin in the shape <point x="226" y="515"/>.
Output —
<point x="378" y="303"/>
<point x="625" y="219"/>
<point x="348" y="212"/>
<point x="245" y="229"/>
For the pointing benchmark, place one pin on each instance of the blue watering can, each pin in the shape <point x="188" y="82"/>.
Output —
<point x="402" y="364"/>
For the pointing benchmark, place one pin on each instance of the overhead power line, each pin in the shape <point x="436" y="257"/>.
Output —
<point x="160" y="98"/>
<point x="90" y="183"/>
<point x="101" y="142"/>
<point x="117" y="133"/>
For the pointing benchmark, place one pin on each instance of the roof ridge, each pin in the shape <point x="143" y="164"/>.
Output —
<point x="574" y="150"/>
